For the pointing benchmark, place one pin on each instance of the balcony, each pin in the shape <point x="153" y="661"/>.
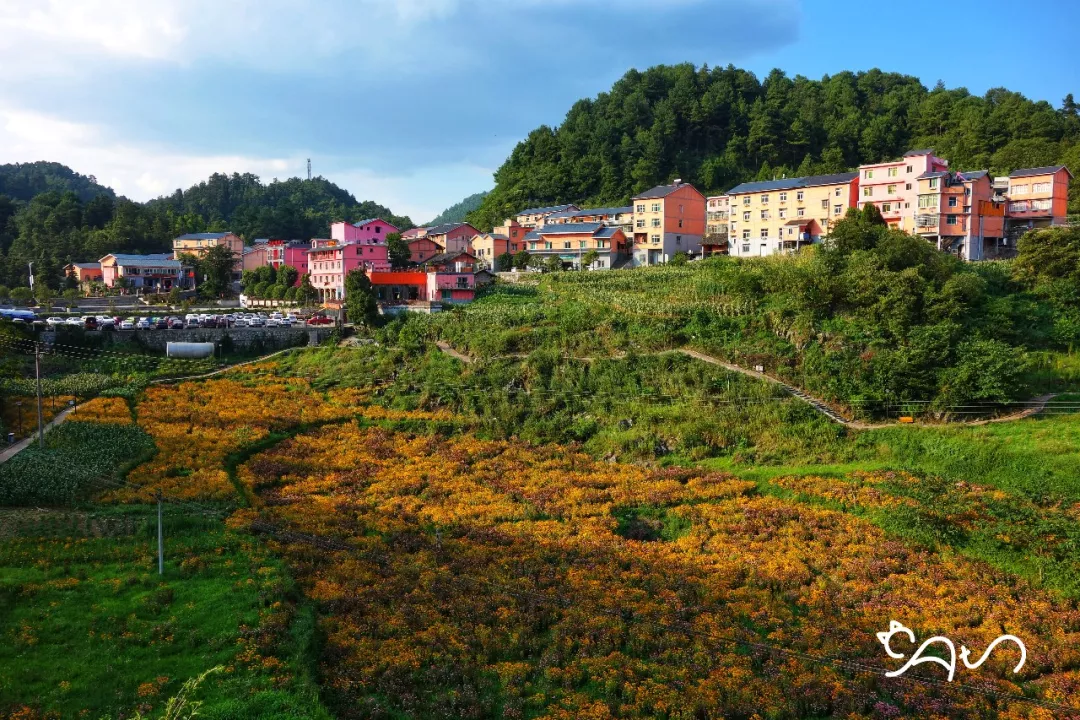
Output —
<point x="926" y="221"/>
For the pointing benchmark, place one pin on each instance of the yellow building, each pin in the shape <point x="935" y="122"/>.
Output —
<point x="775" y="216"/>
<point x="198" y="244"/>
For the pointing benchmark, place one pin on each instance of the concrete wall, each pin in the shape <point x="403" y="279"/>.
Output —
<point x="268" y="339"/>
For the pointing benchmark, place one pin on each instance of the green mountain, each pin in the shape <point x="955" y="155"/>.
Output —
<point x="458" y="212"/>
<point x="52" y="223"/>
<point x="22" y="181"/>
<point x="717" y="127"/>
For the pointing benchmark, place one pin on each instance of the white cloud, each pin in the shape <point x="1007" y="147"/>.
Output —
<point x="142" y="172"/>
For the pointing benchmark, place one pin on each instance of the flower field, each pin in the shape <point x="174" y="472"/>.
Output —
<point x="494" y="579"/>
<point x="107" y="410"/>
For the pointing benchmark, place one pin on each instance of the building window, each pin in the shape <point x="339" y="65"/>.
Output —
<point x="680" y="208"/>
<point x="566" y="245"/>
<point x="656" y="207"/>
<point x="656" y="239"/>
<point x="1018" y="206"/>
<point x="800" y="195"/>
<point x="950" y="219"/>
<point x="886" y="207"/>
<point x="1018" y="190"/>
<point x="640" y="222"/>
<point x="547" y="244"/>
<point x="746" y="200"/>
<point x="1043" y="187"/>
<point x="952" y="201"/>
<point x="765" y="199"/>
<point x="890" y="190"/>
<point x="824" y="204"/>
<point x="869" y="174"/>
<point x="927" y="201"/>
<point x="678" y="240"/>
<point x="837" y="209"/>
<point x="746" y="215"/>
<point x="581" y="244"/>
<point x="892" y="172"/>
<point x="933" y="183"/>
<point x="656" y="222"/>
<point x="746" y="248"/>
<point x="837" y="192"/>
<point x="680" y="222"/>
<point x="1040" y="204"/>
<point x="764" y="214"/>
<point x="910" y="168"/>
<point x="764" y="233"/>
<point x="640" y="208"/>
<point x="746" y="236"/>
<point x="801" y="212"/>
<point x="783" y="197"/>
<point x="783" y="213"/>
<point x="907" y="186"/>
<point x="868" y="192"/>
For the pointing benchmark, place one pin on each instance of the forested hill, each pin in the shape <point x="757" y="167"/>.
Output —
<point x="458" y="212"/>
<point x="717" y="127"/>
<point x="22" y="181"/>
<point x="62" y="225"/>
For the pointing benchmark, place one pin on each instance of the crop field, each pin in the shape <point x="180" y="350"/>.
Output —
<point x="344" y="540"/>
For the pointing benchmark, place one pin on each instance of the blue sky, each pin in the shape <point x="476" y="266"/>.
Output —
<point x="415" y="103"/>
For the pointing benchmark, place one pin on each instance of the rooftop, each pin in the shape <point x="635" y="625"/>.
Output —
<point x="163" y="260"/>
<point x="661" y="191"/>
<point x="446" y="228"/>
<point x="570" y="229"/>
<point x="547" y="210"/>
<point x="793" y="183"/>
<point x="589" y="212"/>
<point x="973" y="175"/>
<point x="917" y="153"/>
<point x="448" y="257"/>
<point x="1048" y="170"/>
<point x="204" y="236"/>
<point x="88" y="266"/>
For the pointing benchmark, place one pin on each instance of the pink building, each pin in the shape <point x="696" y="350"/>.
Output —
<point x="371" y="235"/>
<point x="893" y="186"/>
<point x="452" y="237"/>
<point x="255" y="257"/>
<point x="451" y="287"/>
<point x="296" y="255"/>
<point x="422" y="249"/>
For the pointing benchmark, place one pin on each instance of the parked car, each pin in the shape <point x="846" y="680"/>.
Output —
<point x="176" y="323"/>
<point x="54" y="321"/>
<point x="127" y="325"/>
<point x="143" y="324"/>
<point x="161" y="323"/>
<point x="90" y="322"/>
<point x="320" y="320"/>
<point x="256" y="321"/>
<point x="74" y="322"/>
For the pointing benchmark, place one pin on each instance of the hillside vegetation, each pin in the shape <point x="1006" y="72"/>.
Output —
<point x="874" y="319"/>
<point x="717" y="127"/>
<point x="52" y="223"/>
<point x="458" y="211"/>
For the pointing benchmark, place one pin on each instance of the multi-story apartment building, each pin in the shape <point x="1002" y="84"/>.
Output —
<point x="535" y="217"/>
<point x="367" y="232"/>
<point x="570" y="242"/>
<point x="956" y="212"/>
<point x="668" y="219"/>
<point x="488" y="246"/>
<point x="715" y="241"/>
<point x="893" y="186"/>
<point x="198" y="244"/>
<point x="84" y="273"/>
<point x="420" y="249"/>
<point x="1037" y="197"/>
<point x="783" y="215"/>
<point x="143" y="273"/>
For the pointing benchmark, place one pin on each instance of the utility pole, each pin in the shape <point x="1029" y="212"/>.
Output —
<point x="160" y="539"/>
<point x="37" y="374"/>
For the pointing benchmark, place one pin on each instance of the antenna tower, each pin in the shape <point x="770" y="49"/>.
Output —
<point x="309" y="168"/>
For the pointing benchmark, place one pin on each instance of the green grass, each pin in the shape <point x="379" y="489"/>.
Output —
<point x="86" y="622"/>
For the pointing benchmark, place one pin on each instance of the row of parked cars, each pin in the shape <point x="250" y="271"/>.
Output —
<point x="191" y="320"/>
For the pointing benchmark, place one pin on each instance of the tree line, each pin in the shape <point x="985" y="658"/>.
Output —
<point x="718" y="127"/>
